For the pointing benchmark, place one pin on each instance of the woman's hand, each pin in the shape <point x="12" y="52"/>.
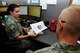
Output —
<point x="25" y="29"/>
<point x="32" y="34"/>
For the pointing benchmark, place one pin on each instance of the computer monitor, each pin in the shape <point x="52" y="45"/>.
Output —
<point x="34" y="11"/>
<point x="23" y="10"/>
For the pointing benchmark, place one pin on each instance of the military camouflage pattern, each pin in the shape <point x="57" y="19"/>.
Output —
<point x="60" y="48"/>
<point x="14" y="29"/>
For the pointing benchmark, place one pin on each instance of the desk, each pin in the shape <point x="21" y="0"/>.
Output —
<point x="3" y="8"/>
<point x="48" y="37"/>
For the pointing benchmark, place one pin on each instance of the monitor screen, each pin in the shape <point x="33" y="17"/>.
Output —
<point x="34" y="11"/>
<point x="23" y="10"/>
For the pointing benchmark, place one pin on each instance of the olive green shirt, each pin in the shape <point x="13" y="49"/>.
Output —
<point x="60" y="48"/>
<point x="14" y="29"/>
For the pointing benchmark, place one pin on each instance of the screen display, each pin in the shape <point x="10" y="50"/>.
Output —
<point x="23" y="10"/>
<point x="34" y="10"/>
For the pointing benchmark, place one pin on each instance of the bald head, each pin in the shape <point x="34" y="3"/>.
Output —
<point x="71" y="16"/>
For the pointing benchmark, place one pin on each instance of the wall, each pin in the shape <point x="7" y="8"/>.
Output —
<point x="24" y="2"/>
<point x="53" y="11"/>
<point x="0" y="2"/>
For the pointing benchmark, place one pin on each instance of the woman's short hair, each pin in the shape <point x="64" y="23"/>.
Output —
<point x="11" y="8"/>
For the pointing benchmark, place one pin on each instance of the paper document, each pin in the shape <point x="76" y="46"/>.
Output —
<point x="43" y="3"/>
<point x="38" y="27"/>
<point x="51" y="1"/>
<point x="32" y="32"/>
<point x="77" y="2"/>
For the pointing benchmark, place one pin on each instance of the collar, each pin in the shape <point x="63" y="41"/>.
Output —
<point x="68" y="47"/>
<point x="13" y="18"/>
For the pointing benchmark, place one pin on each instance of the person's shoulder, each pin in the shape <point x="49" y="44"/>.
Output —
<point x="52" y="49"/>
<point x="10" y="20"/>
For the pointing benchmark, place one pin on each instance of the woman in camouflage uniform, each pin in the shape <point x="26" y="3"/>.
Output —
<point x="14" y="28"/>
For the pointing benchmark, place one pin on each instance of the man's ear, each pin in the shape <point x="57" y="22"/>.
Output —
<point x="60" y="25"/>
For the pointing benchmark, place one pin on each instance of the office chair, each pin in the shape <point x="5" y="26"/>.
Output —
<point x="6" y="45"/>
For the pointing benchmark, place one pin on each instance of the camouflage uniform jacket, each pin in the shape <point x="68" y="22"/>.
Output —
<point x="60" y="48"/>
<point x="14" y="29"/>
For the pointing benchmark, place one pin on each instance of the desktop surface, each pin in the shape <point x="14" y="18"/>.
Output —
<point x="47" y="37"/>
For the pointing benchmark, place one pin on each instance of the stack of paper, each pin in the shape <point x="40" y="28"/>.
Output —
<point x="31" y="31"/>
